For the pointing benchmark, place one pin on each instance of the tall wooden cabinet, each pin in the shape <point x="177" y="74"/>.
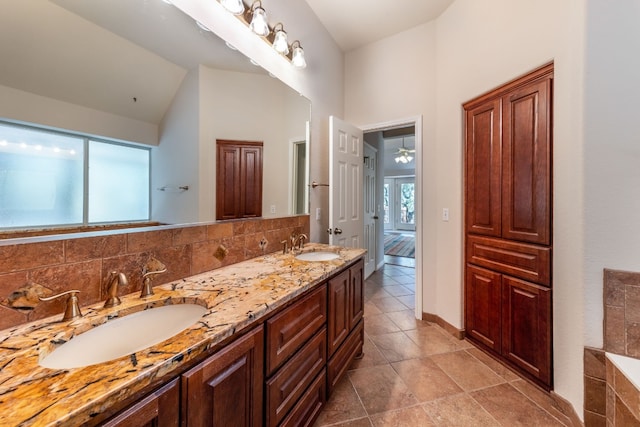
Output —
<point x="508" y="222"/>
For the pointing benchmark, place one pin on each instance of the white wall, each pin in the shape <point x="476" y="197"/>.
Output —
<point x="434" y="68"/>
<point x="612" y="150"/>
<point x="174" y="162"/>
<point x="28" y="107"/>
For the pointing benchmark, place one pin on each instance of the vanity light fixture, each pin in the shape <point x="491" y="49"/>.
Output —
<point x="234" y="6"/>
<point x="297" y="55"/>
<point x="280" y="43"/>
<point x="259" y="23"/>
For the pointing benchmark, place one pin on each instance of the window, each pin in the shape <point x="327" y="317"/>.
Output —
<point x="50" y="178"/>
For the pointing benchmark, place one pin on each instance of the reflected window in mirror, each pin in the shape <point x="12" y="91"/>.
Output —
<point x="52" y="178"/>
<point x="238" y="179"/>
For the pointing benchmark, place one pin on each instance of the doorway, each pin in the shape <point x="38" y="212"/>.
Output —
<point x="399" y="153"/>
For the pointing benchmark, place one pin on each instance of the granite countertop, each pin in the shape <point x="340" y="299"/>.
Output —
<point x="235" y="296"/>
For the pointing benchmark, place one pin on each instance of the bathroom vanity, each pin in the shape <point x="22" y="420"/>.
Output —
<point x="277" y="336"/>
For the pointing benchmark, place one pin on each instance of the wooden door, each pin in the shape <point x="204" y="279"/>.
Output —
<point x="526" y="327"/>
<point x="526" y="163"/>
<point x="483" y="193"/>
<point x="482" y="306"/>
<point x="226" y="389"/>
<point x="338" y="311"/>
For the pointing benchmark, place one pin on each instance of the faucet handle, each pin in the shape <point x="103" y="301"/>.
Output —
<point x="285" y="246"/>
<point x="72" y="309"/>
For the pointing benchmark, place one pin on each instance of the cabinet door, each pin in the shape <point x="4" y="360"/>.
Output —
<point x="482" y="174"/>
<point x="526" y="327"/>
<point x="338" y="308"/>
<point x="356" y="294"/>
<point x="226" y="389"/>
<point x="160" y="408"/>
<point x="482" y="306"/>
<point x="526" y="162"/>
<point x="238" y="179"/>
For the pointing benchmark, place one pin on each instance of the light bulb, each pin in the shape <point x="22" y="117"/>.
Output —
<point x="234" y="6"/>
<point x="259" y="22"/>
<point x="297" y="57"/>
<point x="280" y="42"/>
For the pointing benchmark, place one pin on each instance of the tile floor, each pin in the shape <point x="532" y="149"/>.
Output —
<point x="415" y="374"/>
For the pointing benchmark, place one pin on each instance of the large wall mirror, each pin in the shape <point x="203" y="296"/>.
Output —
<point x="142" y="71"/>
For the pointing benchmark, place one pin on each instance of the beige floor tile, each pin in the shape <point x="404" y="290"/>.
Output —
<point x="370" y="309"/>
<point x="492" y="363"/>
<point x="512" y="408"/>
<point x="396" y="346"/>
<point x="387" y="305"/>
<point x="409" y="417"/>
<point x="408" y="300"/>
<point x="398" y="290"/>
<point x="433" y="340"/>
<point x="459" y="410"/>
<point x="344" y="405"/>
<point x="361" y="422"/>
<point x="381" y="389"/>
<point x="425" y="379"/>
<point x="406" y="320"/>
<point x="541" y="398"/>
<point x="372" y="356"/>
<point x="379" y="324"/>
<point x="467" y="371"/>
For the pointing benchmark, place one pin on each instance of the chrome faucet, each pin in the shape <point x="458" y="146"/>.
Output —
<point x="117" y="279"/>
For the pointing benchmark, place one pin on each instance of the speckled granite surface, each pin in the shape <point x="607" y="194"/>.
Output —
<point x="235" y="296"/>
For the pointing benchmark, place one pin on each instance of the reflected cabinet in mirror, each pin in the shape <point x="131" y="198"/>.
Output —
<point x="141" y="72"/>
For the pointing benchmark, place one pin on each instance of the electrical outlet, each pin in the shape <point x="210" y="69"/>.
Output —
<point x="445" y="214"/>
<point x="273" y="208"/>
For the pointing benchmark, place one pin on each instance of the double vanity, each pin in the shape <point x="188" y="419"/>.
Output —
<point x="260" y="342"/>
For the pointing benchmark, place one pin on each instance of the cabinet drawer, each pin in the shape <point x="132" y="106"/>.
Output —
<point x="160" y="408"/>
<point x="290" y="329"/>
<point x="291" y="381"/>
<point x="525" y="261"/>
<point x="341" y="360"/>
<point x="309" y="406"/>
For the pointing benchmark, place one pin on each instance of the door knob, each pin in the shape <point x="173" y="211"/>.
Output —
<point x="337" y="231"/>
<point x="375" y="217"/>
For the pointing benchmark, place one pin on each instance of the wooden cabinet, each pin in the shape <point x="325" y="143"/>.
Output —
<point x="160" y="408"/>
<point x="482" y="306"/>
<point x="346" y="308"/>
<point x="277" y="374"/>
<point x="508" y="217"/>
<point x="226" y="389"/>
<point x="238" y="179"/>
<point x="526" y="319"/>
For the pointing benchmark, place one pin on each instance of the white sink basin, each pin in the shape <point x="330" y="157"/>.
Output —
<point x="317" y="256"/>
<point x="123" y="336"/>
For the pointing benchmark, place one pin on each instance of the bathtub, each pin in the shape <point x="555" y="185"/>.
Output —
<point x="623" y="390"/>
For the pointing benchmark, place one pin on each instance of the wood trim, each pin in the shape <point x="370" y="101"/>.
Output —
<point x="540" y="73"/>
<point x="448" y="327"/>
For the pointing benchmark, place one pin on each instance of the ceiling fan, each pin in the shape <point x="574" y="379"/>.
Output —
<point x="404" y="155"/>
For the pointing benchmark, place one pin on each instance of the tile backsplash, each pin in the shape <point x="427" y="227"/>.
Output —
<point x="83" y="262"/>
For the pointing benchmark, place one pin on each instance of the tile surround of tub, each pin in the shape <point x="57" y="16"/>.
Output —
<point x="621" y="296"/>
<point x="84" y="263"/>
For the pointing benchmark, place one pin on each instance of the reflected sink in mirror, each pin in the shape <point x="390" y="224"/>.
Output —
<point x="317" y="256"/>
<point x="123" y="336"/>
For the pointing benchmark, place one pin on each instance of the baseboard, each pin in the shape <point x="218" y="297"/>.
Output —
<point x="434" y="318"/>
<point x="567" y="408"/>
